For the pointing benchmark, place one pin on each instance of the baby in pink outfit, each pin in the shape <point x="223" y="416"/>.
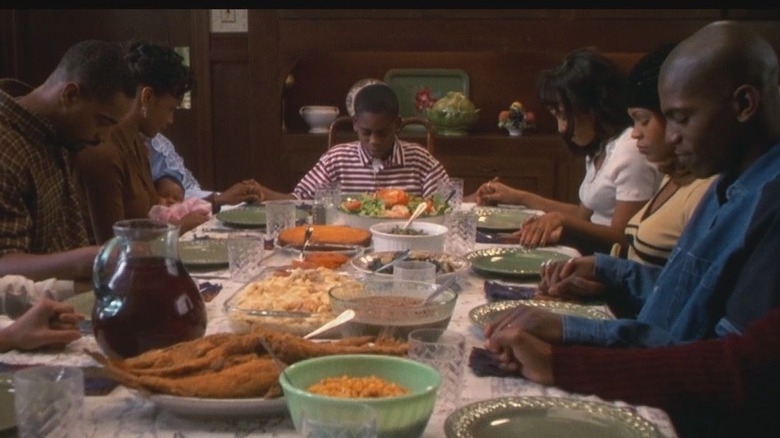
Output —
<point x="172" y="206"/>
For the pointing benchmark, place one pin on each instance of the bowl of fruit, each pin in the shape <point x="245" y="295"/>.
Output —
<point x="390" y="205"/>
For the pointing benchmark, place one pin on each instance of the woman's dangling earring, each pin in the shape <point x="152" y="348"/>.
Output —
<point x="143" y="111"/>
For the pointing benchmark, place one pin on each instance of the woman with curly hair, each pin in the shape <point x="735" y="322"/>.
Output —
<point x="115" y="177"/>
<point x="586" y="93"/>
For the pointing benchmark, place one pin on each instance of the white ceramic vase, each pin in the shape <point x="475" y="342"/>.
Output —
<point x="514" y="131"/>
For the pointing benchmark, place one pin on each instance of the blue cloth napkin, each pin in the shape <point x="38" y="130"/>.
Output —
<point x="495" y="291"/>
<point x="484" y="363"/>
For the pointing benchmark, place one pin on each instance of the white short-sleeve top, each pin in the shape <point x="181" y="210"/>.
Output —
<point x="625" y="175"/>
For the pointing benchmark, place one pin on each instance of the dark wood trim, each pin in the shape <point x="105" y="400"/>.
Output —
<point x="202" y="101"/>
<point x="267" y="161"/>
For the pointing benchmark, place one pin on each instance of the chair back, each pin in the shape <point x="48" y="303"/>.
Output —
<point x="430" y="130"/>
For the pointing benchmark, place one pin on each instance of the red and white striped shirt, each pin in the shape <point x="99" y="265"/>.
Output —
<point x="409" y="167"/>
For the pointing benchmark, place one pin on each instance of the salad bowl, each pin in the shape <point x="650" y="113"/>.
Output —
<point x="389" y="205"/>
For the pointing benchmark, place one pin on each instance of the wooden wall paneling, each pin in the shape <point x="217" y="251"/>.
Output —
<point x="270" y="163"/>
<point x="203" y="161"/>
<point x="8" y="59"/>
<point x="230" y="79"/>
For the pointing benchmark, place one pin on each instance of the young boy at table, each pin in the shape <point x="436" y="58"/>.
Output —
<point x="90" y="90"/>
<point x="378" y="159"/>
<point x="172" y="206"/>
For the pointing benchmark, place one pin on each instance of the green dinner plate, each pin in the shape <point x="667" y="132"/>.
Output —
<point x="204" y="253"/>
<point x="512" y="262"/>
<point x="501" y="219"/>
<point x="251" y="216"/>
<point x="7" y="414"/>
<point x="543" y="417"/>
<point x="487" y="313"/>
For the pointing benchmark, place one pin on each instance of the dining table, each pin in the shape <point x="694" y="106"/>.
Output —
<point x="125" y="412"/>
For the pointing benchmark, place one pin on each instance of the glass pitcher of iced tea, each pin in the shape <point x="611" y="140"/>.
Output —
<point x="144" y="297"/>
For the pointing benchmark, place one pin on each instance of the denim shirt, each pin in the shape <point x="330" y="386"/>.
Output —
<point x="685" y="299"/>
<point x="165" y="161"/>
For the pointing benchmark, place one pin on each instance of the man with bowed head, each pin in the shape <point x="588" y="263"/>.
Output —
<point x="719" y="93"/>
<point x="42" y="236"/>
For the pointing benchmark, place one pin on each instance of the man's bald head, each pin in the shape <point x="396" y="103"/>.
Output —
<point x="720" y="57"/>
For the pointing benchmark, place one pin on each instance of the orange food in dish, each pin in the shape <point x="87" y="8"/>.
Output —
<point x="330" y="260"/>
<point x="357" y="387"/>
<point x="326" y="234"/>
<point x="393" y="197"/>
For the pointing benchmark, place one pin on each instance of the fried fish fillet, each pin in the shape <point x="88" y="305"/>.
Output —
<point x="230" y="365"/>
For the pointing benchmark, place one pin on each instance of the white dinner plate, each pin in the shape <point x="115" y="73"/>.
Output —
<point x="220" y="407"/>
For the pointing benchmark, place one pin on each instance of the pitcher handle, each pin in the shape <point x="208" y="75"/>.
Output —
<point x="99" y="280"/>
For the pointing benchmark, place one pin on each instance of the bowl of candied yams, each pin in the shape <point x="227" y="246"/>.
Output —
<point x="390" y="205"/>
<point x="401" y="391"/>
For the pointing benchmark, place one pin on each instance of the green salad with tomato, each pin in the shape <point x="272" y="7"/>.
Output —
<point x="392" y="203"/>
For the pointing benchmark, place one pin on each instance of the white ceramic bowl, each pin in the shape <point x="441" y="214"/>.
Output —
<point x="432" y="240"/>
<point x="319" y="117"/>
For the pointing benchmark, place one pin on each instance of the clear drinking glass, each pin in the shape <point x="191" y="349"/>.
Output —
<point x="278" y="216"/>
<point x="444" y="350"/>
<point x="415" y="270"/>
<point x="462" y="233"/>
<point x="245" y="255"/>
<point x="49" y="401"/>
<point x="328" y="196"/>
<point x="452" y="186"/>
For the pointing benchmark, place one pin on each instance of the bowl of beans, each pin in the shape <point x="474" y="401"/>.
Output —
<point x="387" y="307"/>
<point x="391" y="236"/>
<point x="400" y="390"/>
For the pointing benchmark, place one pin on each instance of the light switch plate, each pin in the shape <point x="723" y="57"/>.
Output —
<point x="228" y="20"/>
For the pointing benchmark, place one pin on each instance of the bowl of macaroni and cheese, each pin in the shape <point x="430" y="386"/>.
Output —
<point x="400" y="390"/>
<point x="292" y="300"/>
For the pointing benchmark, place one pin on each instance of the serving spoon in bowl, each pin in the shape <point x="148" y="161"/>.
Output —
<point x="445" y="285"/>
<point x="417" y="212"/>
<point x="342" y="318"/>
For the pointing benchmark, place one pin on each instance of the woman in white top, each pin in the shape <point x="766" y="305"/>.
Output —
<point x="586" y="94"/>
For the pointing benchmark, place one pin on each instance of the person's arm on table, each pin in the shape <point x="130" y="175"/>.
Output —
<point x="48" y="323"/>
<point x="75" y="264"/>
<point x="555" y="228"/>
<point x="494" y="192"/>
<point x="722" y="373"/>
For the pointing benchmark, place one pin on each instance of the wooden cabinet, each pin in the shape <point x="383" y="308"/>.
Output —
<point x="538" y="163"/>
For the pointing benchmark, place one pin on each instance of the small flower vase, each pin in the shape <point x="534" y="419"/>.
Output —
<point x="514" y="131"/>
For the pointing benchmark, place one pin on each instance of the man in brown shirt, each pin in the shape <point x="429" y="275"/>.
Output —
<point x="42" y="234"/>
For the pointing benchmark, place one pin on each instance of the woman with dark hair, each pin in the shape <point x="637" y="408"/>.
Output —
<point x="115" y="177"/>
<point x="586" y="93"/>
<point x="654" y="230"/>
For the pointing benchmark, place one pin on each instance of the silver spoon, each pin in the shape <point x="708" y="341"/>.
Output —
<point x="343" y="317"/>
<point x="398" y="258"/>
<point x="306" y="239"/>
<point x="417" y="212"/>
<point x="440" y="290"/>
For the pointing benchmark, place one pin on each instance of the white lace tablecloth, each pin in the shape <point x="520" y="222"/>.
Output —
<point x="125" y="413"/>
